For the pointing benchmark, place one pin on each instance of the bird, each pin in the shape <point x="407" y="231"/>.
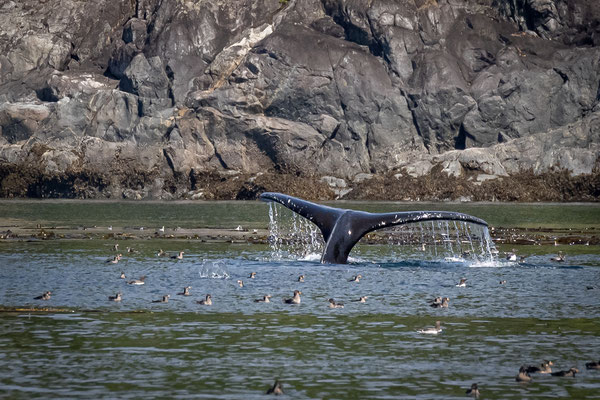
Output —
<point x="165" y="299"/>
<point x="122" y="276"/>
<point x="131" y="250"/>
<point x="186" y="291"/>
<point x="462" y="283"/>
<point x="355" y="278"/>
<point x="116" y="247"/>
<point x="503" y="282"/>
<point x="276" y="389"/>
<point x="161" y="253"/>
<point x="361" y="299"/>
<point x="113" y="260"/>
<point x="544" y="368"/>
<point x="179" y="256"/>
<point x="207" y="301"/>
<point x="570" y="372"/>
<point x="474" y="391"/>
<point x="432" y="330"/>
<point x="45" y="296"/>
<point x="512" y="256"/>
<point x="334" y="304"/>
<point x="593" y="365"/>
<point x="162" y="229"/>
<point x="440" y="302"/>
<point x="116" y="297"/>
<point x="523" y="376"/>
<point x="295" y="299"/>
<point x="301" y="278"/>
<point x="559" y="258"/>
<point x="265" y="299"/>
<point x="138" y="281"/>
<point x="240" y="283"/>
<point x="252" y="275"/>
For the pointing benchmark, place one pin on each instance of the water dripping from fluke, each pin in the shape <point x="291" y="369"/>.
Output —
<point x="431" y="235"/>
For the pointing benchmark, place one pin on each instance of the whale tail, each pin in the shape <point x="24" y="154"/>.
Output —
<point x="342" y="228"/>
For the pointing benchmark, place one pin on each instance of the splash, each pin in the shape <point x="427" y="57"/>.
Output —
<point x="294" y="237"/>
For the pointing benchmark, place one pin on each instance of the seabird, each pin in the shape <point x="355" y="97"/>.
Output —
<point x="334" y="304"/>
<point x="503" y="282"/>
<point x="361" y="299"/>
<point x="116" y="297"/>
<point x="161" y="253"/>
<point x="165" y="299"/>
<point x="252" y="275"/>
<point x="355" y="278"/>
<point x="523" y="376"/>
<point x="240" y="283"/>
<point x="179" y="256"/>
<point x="474" y="391"/>
<point x="570" y="372"/>
<point x="512" y="256"/>
<point x="432" y="330"/>
<point x="138" y="281"/>
<point x="440" y="302"/>
<point x="593" y="365"/>
<point x="295" y="299"/>
<point x="186" y="291"/>
<point x="116" y="247"/>
<point x="113" y="260"/>
<point x="544" y="368"/>
<point x="122" y="275"/>
<point x="207" y="301"/>
<point x="559" y="258"/>
<point x="45" y="296"/>
<point x="462" y="283"/>
<point x="301" y="278"/>
<point x="265" y="299"/>
<point x="276" y="389"/>
<point x="161" y="229"/>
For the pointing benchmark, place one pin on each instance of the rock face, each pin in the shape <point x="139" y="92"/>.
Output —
<point x="144" y="99"/>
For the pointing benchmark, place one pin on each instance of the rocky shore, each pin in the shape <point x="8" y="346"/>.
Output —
<point x="322" y="99"/>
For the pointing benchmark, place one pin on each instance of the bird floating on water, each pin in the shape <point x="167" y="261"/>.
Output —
<point x="523" y="376"/>
<point x="432" y="330"/>
<point x="512" y="256"/>
<point x="544" y="368"/>
<point x="44" y="296"/>
<point x="264" y="299"/>
<point x="179" y="256"/>
<point x="570" y="372"/>
<point x="138" y="281"/>
<point x="116" y="247"/>
<point x="295" y="299"/>
<point x="161" y="253"/>
<point x="361" y="299"/>
<point x="116" y="297"/>
<point x="474" y="391"/>
<point x="559" y="258"/>
<point x="252" y="275"/>
<point x="207" y="301"/>
<point x="355" y="278"/>
<point x="186" y="291"/>
<point x="593" y="365"/>
<point x="301" y="278"/>
<point x="462" y="283"/>
<point x="335" y="304"/>
<point x="503" y="282"/>
<point x="240" y="283"/>
<point x="440" y="302"/>
<point x="165" y="299"/>
<point x="276" y="389"/>
<point x="122" y="276"/>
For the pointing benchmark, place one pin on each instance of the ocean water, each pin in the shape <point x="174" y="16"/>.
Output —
<point x="88" y="346"/>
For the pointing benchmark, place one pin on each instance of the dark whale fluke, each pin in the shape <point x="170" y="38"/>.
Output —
<point x="342" y="228"/>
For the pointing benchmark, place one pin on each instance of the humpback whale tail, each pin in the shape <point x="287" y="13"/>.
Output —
<point x="342" y="228"/>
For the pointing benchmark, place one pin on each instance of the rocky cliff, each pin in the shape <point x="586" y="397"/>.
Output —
<point x="322" y="98"/>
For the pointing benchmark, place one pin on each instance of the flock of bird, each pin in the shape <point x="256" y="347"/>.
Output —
<point x="524" y="374"/>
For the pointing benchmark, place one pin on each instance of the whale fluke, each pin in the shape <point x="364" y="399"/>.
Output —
<point x="342" y="228"/>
